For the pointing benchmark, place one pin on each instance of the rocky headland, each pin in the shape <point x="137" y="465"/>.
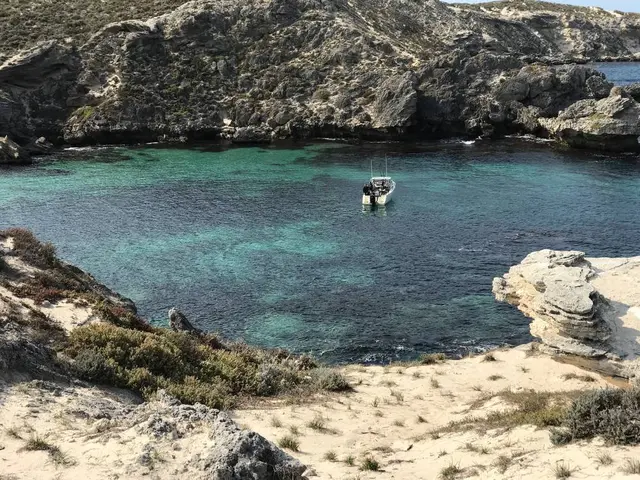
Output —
<point x="254" y="71"/>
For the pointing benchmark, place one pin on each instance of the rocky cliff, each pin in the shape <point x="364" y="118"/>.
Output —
<point x="257" y="71"/>
<point x="588" y="307"/>
<point x="572" y="32"/>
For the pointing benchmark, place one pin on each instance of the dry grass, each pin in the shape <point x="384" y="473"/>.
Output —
<point x="541" y="409"/>
<point x="631" y="467"/>
<point x="290" y="443"/>
<point x="370" y="464"/>
<point x="493" y="378"/>
<point x="489" y="357"/>
<point x="563" y="470"/>
<point x="432" y="358"/>
<point x="582" y="378"/>
<point x="604" y="459"/>
<point x="450" y="472"/>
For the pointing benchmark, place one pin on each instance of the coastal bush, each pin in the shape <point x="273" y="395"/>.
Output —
<point x="613" y="414"/>
<point x="26" y="22"/>
<point x="33" y="251"/>
<point x="431" y="358"/>
<point x="186" y="365"/>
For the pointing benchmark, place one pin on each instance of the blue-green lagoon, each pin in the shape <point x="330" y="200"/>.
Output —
<point x="272" y="246"/>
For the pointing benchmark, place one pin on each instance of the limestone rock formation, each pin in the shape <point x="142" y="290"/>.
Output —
<point x="588" y="307"/>
<point x="12" y="154"/>
<point x="553" y="288"/>
<point x="612" y="123"/>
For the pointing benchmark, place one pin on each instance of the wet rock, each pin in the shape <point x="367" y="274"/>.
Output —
<point x="12" y="154"/>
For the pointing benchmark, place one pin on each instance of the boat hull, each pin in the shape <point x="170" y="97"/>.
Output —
<point x="382" y="199"/>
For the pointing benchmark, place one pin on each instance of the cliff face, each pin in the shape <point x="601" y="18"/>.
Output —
<point x="259" y="70"/>
<point x="588" y="33"/>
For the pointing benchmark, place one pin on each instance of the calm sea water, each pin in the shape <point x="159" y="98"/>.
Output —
<point x="620" y="73"/>
<point x="272" y="245"/>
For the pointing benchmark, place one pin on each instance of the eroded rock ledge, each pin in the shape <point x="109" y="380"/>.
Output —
<point x="581" y="306"/>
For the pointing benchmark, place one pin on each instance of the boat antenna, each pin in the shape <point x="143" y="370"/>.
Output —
<point x="386" y="173"/>
<point x="371" y="166"/>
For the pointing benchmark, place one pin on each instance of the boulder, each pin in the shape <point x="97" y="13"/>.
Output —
<point x="179" y="323"/>
<point x="612" y="123"/>
<point x="12" y="154"/>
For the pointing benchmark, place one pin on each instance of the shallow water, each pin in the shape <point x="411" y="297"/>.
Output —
<point x="272" y="245"/>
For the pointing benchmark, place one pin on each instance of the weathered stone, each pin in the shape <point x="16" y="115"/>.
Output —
<point x="242" y="455"/>
<point x="612" y="123"/>
<point x="178" y="322"/>
<point x="580" y="306"/>
<point x="12" y="154"/>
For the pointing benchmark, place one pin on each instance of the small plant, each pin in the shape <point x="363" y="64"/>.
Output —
<point x="477" y="388"/>
<point x="416" y="374"/>
<point x="435" y="383"/>
<point x="376" y="402"/>
<point x="350" y="460"/>
<point x="398" y="423"/>
<point x="442" y="453"/>
<point x="489" y="357"/>
<point x="450" y="472"/>
<point x="331" y="456"/>
<point x="370" y="464"/>
<point x="524" y="369"/>
<point x="318" y="423"/>
<point x="503" y="463"/>
<point x="582" y="378"/>
<point x="37" y="443"/>
<point x="470" y="447"/>
<point x="563" y="470"/>
<point x="420" y="419"/>
<point x="388" y="383"/>
<point x="378" y="413"/>
<point x="13" y="432"/>
<point x="432" y="358"/>
<point x="604" y="459"/>
<point x="397" y="395"/>
<point x="294" y="430"/>
<point x="493" y="378"/>
<point x="631" y="467"/>
<point x="290" y="443"/>
<point x="276" y="422"/>
<point x="434" y="435"/>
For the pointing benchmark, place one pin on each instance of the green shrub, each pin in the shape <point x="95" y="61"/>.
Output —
<point x="185" y="365"/>
<point x="36" y="253"/>
<point x="431" y="358"/>
<point x="331" y="380"/>
<point x="613" y="414"/>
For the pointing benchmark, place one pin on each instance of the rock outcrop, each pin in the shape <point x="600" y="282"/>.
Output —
<point x="612" y="123"/>
<point x="588" y="307"/>
<point x="569" y="31"/>
<point x="12" y="154"/>
<point x="252" y="71"/>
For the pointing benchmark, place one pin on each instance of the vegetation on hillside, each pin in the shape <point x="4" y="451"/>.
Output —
<point x="26" y="22"/>
<point x="123" y="350"/>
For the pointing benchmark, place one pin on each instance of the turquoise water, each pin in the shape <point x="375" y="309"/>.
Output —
<point x="272" y="245"/>
<point x="620" y="73"/>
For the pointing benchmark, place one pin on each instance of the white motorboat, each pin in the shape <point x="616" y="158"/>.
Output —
<point x="379" y="190"/>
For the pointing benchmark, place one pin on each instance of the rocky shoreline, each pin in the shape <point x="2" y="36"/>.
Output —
<point x="254" y="72"/>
